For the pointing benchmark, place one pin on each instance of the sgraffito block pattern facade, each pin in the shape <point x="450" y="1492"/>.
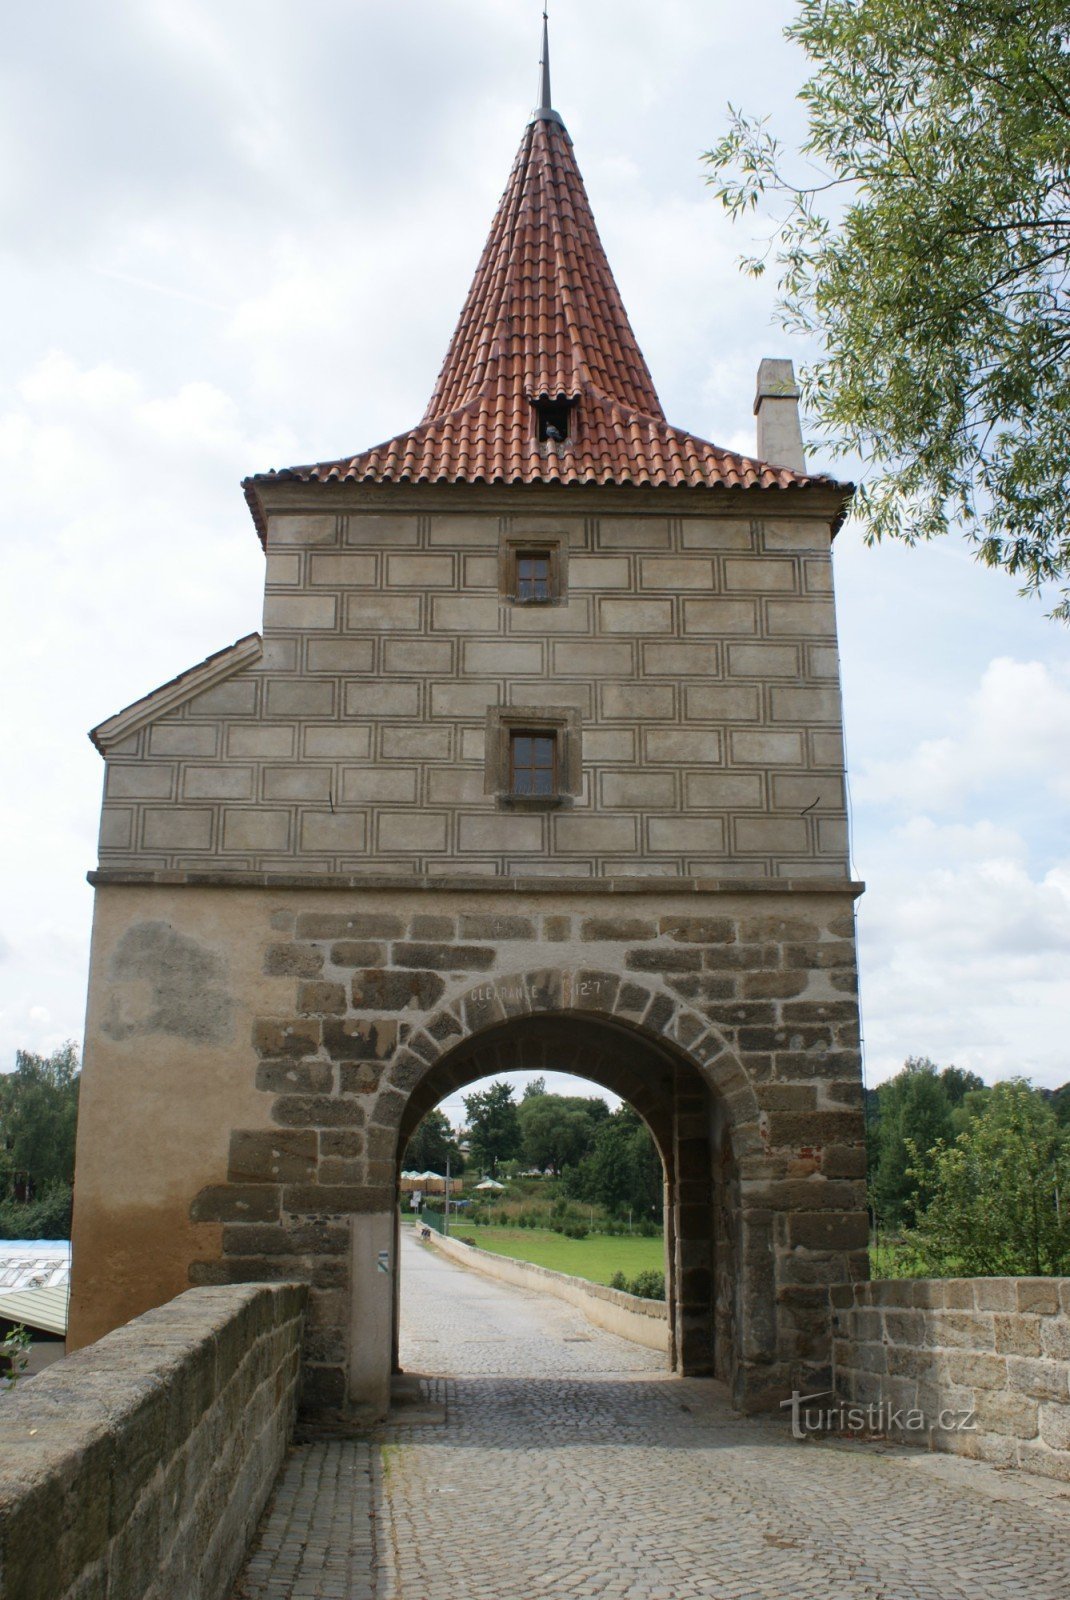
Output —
<point x="325" y="902"/>
<point x="698" y="651"/>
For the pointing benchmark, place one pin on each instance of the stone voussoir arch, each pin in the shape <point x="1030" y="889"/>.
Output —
<point x="640" y="1005"/>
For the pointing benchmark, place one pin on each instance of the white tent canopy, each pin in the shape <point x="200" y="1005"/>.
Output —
<point x="489" y="1183"/>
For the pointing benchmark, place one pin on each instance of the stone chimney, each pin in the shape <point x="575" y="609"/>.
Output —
<point x="776" y="405"/>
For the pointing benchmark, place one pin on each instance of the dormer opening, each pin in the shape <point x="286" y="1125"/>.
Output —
<point x="553" y="420"/>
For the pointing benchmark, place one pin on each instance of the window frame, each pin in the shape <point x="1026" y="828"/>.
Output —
<point x="562" y="724"/>
<point x="512" y="547"/>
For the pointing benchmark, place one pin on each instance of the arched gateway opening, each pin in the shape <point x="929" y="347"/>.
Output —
<point x="688" y="1123"/>
<point x="652" y="1050"/>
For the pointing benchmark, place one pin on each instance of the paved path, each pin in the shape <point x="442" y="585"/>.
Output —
<point x="552" y="1461"/>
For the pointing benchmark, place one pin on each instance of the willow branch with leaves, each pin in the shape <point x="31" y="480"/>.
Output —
<point x="928" y="251"/>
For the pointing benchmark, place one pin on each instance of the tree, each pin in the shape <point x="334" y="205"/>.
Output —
<point x="959" y="1083"/>
<point x="995" y="1201"/>
<point x="972" y="1104"/>
<point x="559" y="1130"/>
<point x="1059" y="1100"/>
<point x="930" y="256"/>
<point x="915" y="1113"/>
<point x="536" y="1087"/>
<point x="623" y="1171"/>
<point x="38" y="1116"/>
<point x="431" y="1145"/>
<point x="493" y="1126"/>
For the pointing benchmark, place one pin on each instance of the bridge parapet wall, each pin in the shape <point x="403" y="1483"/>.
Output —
<point x="644" y="1322"/>
<point x="141" y="1464"/>
<point x="983" y="1362"/>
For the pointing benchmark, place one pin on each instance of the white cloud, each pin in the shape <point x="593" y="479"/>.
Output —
<point x="965" y="927"/>
<point x="236" y="242"/>
<point x="1015" y="729"/>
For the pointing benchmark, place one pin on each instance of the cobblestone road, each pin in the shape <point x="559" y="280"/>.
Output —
<point x="552" y="1460"/>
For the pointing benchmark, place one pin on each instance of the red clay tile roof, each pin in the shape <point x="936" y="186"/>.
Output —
<point x="544" y="320"/>
<point x="544" y="316"/>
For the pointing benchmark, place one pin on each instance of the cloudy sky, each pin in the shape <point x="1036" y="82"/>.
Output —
<point x="237" y="234"/>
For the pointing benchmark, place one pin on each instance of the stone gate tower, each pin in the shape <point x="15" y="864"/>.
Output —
<point x="536" y="763"/>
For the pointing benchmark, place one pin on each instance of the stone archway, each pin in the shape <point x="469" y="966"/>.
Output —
<point x="685" y="1121"/>
<point x="754" y="1101"/>
<point x="628" y="1036"/>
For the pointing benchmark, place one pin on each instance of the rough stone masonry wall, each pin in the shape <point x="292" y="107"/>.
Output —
<point x="138" y="1468"/>
<point x="998" y="1348"/>
<point x="757" y="990"/>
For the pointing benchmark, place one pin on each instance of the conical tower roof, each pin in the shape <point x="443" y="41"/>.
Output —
<point x="544" y="322"/>
<point x="544" y="318"/>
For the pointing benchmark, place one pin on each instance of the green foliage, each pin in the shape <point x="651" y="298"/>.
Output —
<point x="431" y="1144"/>
<point x="494" y="1132"/>
<point x="1059" y="1100"/>
<point x="929" y="254"/>
<point x="959" y="1084"/>
<point x="623" y="1171"/>
<point x="559" y="1130"/>
<point x="648" y="1285"/>
<point x="972" y="1104"/>
<point x="914" y="1110"/>
<point x="48" y="1217"/>
<point x="14" y="1356"/>
<point x="994" y="1202"/>
<point x="38" y="1116"/>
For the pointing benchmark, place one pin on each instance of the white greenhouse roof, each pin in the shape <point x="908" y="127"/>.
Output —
<point x="44" y="1308"/>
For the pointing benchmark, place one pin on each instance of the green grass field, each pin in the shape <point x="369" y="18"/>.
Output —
<point x="595" y="1258"/>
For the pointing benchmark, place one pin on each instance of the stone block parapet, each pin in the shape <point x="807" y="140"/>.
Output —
<point x="644" y="1322"/>
<point x="985" y="1362"/>
<point x="138" y="1468"/>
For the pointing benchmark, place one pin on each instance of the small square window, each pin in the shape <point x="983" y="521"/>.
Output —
<point x="533" y="569"/>
<point x="533" y="756"/>
<point x="534" y="576"/>
<point x="532" y="763"/>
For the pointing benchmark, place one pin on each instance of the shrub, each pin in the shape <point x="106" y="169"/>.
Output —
<point x="648" y="1285"/>
<point x="649" y="1230"/>
<point x="576" y="1230"/>
<point x="619" y="1281"/>
<point x="46" y="1218"/>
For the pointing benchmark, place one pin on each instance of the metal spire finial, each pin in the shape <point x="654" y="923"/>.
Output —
<point x="545" y="111"/>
